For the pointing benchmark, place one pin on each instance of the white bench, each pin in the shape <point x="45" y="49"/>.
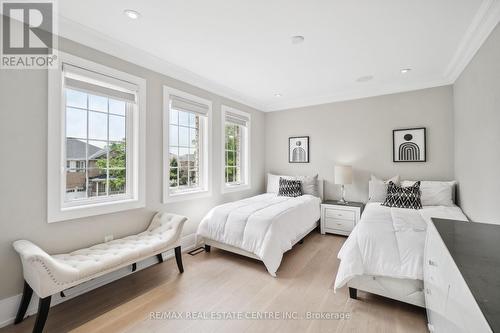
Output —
<point x="51" y="274"/>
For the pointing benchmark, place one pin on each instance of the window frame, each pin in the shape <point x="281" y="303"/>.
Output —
<point x="246" y="152"/>
<point x="58" y="209"/>
<point x="205" y="159"/>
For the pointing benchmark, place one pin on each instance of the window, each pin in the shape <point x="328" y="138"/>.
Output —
<point x="96" y="116"/>
<point x="236" y="147"/>
<point x="96" y="141"/>
<point x="186" y="145"/>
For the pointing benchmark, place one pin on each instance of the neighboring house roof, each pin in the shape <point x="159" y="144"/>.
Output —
<point x="97" y="154"/>
<point x="75" y="150"/>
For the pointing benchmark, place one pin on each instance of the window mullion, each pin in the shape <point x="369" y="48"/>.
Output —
<point x="107" y="149"/>
<point x="87" y="152"/>
<point x="189" y="152"/>
<point x="178" y="152"/>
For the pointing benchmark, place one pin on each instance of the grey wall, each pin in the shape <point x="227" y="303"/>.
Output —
<point x="359" y="133"/>
<point x="23" y="171"/>
<point x="477" y="133"/>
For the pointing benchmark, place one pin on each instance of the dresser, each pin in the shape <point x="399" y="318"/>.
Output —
<point x="462" y="276"/>
<point x="340" y="218"/>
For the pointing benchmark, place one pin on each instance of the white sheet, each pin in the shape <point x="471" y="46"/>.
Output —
<point x="265" y="225"/>
<point x="376" y="247"/>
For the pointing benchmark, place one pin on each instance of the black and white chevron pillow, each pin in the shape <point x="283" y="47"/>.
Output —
<point x="403" y="197"/>
<point x="290" y="188"/>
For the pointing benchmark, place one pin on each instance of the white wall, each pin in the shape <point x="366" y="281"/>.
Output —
<point x="359" y="133"/>
<point x="477" y="133"/>
<point x="23" y="171"/>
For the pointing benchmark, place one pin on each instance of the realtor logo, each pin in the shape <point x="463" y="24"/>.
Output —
<point x="28" y="36"/>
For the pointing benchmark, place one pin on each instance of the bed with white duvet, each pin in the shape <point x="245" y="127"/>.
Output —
<point x="262" y="227"/>
<point x="384" y="253"/>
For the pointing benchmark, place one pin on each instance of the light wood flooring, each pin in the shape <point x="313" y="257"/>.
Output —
<point x="222" y="281"/>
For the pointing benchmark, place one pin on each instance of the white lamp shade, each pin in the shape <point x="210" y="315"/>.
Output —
<point x="343" y="174"/>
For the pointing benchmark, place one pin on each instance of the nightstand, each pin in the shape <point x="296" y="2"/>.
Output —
<point x="340" y="218"/>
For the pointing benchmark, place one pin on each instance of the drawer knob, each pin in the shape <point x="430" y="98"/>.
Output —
<point x="432" y="263"/>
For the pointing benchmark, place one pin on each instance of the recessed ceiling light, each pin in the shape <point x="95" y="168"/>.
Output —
<point x="405" y="70"/>
<point x="297" y="39"/>
<point x="278" y="95"/>
<point x="134" y="15"/>
<point x="365" y="78"/>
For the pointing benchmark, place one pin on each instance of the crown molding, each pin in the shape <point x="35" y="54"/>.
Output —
<point x="354" y="94"/>
<point x="483" y="23"/>
<point x="92" y="38"/>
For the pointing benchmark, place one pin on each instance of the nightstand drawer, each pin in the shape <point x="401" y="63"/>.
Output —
<point x="340" y="214"/>
<point x="345" y="225"/>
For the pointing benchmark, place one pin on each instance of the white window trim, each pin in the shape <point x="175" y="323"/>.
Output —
<point x="247" y="185"/>
<point x="206" y="189"/>
<point x="57" y="210"/>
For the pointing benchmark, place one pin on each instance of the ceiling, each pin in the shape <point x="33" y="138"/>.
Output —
<point x="242" y="49"/>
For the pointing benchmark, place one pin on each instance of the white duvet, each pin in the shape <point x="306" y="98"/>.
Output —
<point x="266" y="225"/>
<point x="389" y="242"/>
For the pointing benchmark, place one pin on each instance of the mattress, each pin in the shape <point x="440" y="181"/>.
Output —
<point x="265" y="225"/>
<point x="389" y="242"/>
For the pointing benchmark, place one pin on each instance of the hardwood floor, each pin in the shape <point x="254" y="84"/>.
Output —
<point x="221" y="281"/>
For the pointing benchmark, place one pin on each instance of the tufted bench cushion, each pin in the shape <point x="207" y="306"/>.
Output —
<point x="50" y="274"/>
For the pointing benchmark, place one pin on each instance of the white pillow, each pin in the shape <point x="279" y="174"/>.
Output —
<point x="435" y="193"/>
<point x="273" y="183"/>
<point x="309" y="183"/>
<point x="377" y="188"/>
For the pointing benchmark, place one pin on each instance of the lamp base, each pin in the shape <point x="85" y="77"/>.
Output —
<point x="342" y="200"/>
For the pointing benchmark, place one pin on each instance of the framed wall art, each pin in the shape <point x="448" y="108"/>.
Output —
<point x="298" y="149"/>
<point x="409" y="145"/>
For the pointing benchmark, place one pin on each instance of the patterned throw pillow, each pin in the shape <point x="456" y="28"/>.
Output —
<point x="290" y="188"/>
<point x="403" y="197"/>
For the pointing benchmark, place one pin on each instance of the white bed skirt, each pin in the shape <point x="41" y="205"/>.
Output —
<point x="242" y="252"/>
<point x="404" y="290"/>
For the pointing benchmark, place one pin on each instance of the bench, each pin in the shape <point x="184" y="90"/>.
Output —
<point x="51" y="274"/>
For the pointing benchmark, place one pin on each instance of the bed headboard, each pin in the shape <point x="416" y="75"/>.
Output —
<point x="321" y="189"/>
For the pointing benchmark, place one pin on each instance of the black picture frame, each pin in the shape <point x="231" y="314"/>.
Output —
<point x="292" y="159"/>
<point x="420" y="160"/>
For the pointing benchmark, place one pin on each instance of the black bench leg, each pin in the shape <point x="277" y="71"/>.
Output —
<point x="178" y="258"/>
<point x="353" y="293"/>
<point x="134" y="267"/>
<point x="43" y="312"/>
<point x="207" y="248"/>
<point x="160" y="257"/>
<point x="25" y="301"/>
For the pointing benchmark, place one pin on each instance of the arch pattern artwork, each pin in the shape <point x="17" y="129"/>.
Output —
<point x="409" y="145"/>
<point x="409" y="151"/>
<point x="298" y="149"/>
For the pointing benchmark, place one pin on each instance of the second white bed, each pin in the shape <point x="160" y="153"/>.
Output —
<point x="384" y="253"/>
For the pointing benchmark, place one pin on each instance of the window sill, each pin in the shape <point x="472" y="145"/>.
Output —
<point x="186" y="195"/>
<point x="93" y="209"/>
<point x="235" y="188"/>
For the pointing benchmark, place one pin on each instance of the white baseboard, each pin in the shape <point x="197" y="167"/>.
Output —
<point x="9" y="305"/>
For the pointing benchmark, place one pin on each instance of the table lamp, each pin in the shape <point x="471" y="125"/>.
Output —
<point x="343" y="176"/>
